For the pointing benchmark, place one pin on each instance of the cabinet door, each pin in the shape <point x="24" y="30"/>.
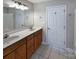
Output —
<point x="38" y="39"/>
<point x="10" y="56"/>
<point x="16" y="51"/>
<point x="30" y="46"/>
<point x="20" y="53"/>
<point x="29" y="52"/>
<point x="36" y="42"/>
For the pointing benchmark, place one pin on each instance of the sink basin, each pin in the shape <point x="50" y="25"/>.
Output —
<point x="13" y="37"/>
<point x="6" y="40"/>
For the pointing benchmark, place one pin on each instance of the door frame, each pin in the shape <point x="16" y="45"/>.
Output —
<point x="46" y="24"/>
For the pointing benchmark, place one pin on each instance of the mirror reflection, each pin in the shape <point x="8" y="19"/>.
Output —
<point x="16" y="19"/>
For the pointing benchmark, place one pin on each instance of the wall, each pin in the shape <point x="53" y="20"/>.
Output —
<point x="40" y="18"/>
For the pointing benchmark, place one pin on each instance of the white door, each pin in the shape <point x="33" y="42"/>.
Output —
<point x="56" y="32"/>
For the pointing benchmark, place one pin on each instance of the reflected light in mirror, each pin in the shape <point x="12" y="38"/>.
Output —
<point x="11" y="4"/>
<point x="26" y="8"/>
<point x="14" y="5"/>
<point x="21" y="7"/>
<point x="17" y="6"/>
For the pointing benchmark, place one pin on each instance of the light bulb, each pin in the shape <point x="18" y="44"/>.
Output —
<point x="21" y="7"/>
<point x="17" y="6"/>
<point x="26" y="8"/>
<point x="11" y="4"/>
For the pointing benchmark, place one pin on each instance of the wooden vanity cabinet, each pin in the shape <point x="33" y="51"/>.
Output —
<point x="24" y="48"/>
<point x="16" y="51"/>
<point x="37" y="39"/>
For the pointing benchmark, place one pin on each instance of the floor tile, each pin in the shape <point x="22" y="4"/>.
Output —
<point x="40" y="49"/>
<point x="45" y="52"/>
<point x="42" y="57"/>
<point x="34" y="56"/>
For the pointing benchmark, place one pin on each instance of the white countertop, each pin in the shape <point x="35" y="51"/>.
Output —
<point x="20" y="34"/>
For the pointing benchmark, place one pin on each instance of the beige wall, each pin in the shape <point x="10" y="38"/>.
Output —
<point x="40" y="18"/>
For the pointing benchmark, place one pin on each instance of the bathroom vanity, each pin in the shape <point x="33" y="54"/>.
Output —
<point x="23" y="47"/>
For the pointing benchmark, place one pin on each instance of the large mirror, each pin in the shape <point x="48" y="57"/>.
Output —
<point x="16" y="19"/>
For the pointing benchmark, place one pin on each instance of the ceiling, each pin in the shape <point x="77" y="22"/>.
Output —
<point x="38" y="1"/>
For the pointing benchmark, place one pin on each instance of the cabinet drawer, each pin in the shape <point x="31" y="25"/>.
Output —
<point x="13" y="47"/>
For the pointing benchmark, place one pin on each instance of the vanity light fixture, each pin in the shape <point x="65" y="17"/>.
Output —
<point x="21" y="7"/>
<point x="11" y="4"/>
<point x="25" y="7"/>
<point x="17" y="5"/>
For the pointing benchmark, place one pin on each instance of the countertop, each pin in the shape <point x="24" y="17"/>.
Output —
<point x="19" y="36"/>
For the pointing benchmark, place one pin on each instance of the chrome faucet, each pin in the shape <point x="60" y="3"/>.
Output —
<point x="31" y="27"/>
<point x="5" y="36"/>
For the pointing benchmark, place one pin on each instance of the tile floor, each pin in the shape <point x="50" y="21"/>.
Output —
<point x="44" y="52"/>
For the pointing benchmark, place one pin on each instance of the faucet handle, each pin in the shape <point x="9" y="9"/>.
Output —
<point x="5" y="36"/>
